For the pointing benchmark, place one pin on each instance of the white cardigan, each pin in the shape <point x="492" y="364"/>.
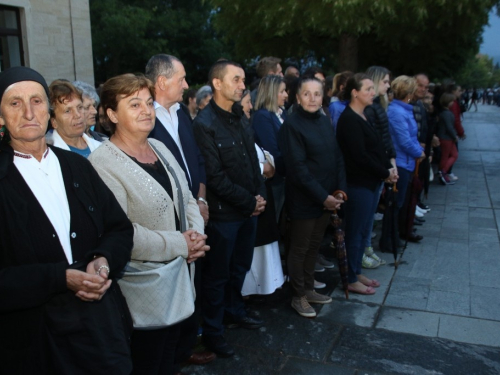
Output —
<point x="147" y="204"/>
<point x="56" y="140"/>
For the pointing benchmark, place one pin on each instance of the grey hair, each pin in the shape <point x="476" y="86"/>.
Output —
<point x="160" y="65"/>
<point x="87" y="90"/>
<point x="202" y="93"/>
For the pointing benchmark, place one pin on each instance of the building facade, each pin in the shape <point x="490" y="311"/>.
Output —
<point x="50" y="36"/>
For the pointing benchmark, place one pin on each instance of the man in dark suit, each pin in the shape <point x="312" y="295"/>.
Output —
<point x="173" y="125"/>
<point x="173" y="128"/>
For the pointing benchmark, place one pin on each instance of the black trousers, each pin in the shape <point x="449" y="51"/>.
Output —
<point x="160" y="351"/>
<point x="226" y="264"/>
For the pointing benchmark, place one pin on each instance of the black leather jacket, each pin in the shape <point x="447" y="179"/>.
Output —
<point x="231" y="164"/>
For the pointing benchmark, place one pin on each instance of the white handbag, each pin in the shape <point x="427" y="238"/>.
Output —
<point x="158" y="294"/>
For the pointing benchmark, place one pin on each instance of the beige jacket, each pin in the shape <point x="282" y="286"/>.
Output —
<point x="147" y="204"/>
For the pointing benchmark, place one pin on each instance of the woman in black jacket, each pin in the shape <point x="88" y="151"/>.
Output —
<point x="314" y="170"/>
<point x="63" y="241"/>
<point x="376" y="114"/>
<point x="367" y="165"/>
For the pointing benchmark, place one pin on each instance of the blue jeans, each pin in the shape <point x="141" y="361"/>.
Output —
<point x="369" y="239"/>
<point x="226" y="264"/>
<point x="359" y="211"/>
<point x="402" y="185"/>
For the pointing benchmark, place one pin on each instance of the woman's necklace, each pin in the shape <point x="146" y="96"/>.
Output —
<point x="146" y="156"/>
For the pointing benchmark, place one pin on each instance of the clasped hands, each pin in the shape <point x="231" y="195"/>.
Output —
<point x="196" y="244"/>
<point x="333" y="203"/>
<point x="89" y="285"/>
<point x="260" y="205"/>
<point x="393" y="176"/>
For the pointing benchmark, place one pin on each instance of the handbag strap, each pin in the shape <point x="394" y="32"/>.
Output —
<point x="182" y="213"/>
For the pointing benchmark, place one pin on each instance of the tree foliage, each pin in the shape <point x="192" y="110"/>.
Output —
<point x="407" y="36"/>
<point x="479" y="72"/>
<point x="126" y="33"/>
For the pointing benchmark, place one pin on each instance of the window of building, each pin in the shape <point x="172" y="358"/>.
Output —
<point x="11" y="51"/>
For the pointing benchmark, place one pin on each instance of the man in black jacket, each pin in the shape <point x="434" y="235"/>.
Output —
<point x="235" y="191"/>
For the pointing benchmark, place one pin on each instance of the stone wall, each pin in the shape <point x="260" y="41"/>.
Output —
<point x="57" y="40"/>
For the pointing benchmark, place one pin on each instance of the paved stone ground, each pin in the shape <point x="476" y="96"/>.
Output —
<point x="438" y="313"/>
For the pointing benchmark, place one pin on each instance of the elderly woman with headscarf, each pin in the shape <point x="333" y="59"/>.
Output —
<point x="69" y="119"/>
<point x="63" y="240"/>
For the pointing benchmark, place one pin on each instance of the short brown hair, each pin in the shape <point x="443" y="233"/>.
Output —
<point x="266" y="65"/>
<point x="218" y="70"/>
<point x="403" y="86"/>
<point x="61" y="90"/>
<point x="340" y="79"/>
<point x="116" y="88"/>
<point x="446" y="99"/>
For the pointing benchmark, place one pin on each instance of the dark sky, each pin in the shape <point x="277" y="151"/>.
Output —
<point x="491" y="38"/>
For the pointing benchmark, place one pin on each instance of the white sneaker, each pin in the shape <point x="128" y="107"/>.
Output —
<point x="378" y="216"/>
<point x="319" y="284"/>
<point x="452" y="177"/>
<point x="369" y="263"/>
<point x="421" y="210"/>
<point x="418" y="213"/>
<point x="370" y="253"/>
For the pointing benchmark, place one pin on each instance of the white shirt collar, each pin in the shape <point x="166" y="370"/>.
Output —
<point x="173" y="108"/>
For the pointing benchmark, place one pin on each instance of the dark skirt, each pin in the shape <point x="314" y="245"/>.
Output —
<point x="267" y="228"/>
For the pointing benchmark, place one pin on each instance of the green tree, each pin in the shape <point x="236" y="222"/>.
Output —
<point x="126" y="33"/>
<point x="479" y="71"/>
<point x="405" y="35"/>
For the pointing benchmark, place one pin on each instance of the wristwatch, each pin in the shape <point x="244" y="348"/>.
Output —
<point x="203" y="200"/>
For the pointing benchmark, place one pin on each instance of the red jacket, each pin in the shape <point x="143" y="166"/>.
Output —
<point x="455" y="109"/>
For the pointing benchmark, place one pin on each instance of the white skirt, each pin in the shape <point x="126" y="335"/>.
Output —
<point x="266" y="273"/>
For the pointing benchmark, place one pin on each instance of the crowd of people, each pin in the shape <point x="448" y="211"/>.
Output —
<point x="140" y="214"/>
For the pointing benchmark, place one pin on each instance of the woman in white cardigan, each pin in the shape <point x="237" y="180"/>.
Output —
<point x="132" y="167"/>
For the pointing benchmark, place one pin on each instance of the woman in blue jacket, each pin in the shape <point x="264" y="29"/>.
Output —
<point x="404" y="132"/>
<point x="266" y="121"/>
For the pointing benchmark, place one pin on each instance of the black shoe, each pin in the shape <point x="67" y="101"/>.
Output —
<point x="247" y="322"/>
<point x="416" y="222"/>
<point x="415" y="238"/>
<point x="419" y="219"/>
<point x="218" y="345"/>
